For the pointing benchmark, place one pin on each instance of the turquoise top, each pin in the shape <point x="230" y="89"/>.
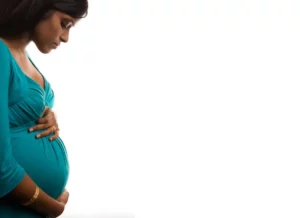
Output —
<point x="22" y="103"/>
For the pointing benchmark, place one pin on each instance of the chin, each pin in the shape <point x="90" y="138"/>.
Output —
<point x="44" y="49"/>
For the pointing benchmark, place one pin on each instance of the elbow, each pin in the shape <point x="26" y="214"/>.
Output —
<point x="11" y="175"/>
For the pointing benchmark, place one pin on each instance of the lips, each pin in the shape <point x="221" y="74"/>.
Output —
<point x="56" y="44"/>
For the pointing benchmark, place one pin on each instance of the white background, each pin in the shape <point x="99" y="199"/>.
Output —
<point x="181" y="109"/>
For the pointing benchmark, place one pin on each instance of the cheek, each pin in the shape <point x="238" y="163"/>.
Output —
<point x="47" y="34"/>
<point x="44" y="41"/>
<point x="42" y="47"/>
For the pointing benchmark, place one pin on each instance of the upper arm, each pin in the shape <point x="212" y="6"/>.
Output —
<point x="50" y="98"/>
<point x="11" y="173"/>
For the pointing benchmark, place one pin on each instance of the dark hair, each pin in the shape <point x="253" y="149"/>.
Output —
<point x="22" y="16"/>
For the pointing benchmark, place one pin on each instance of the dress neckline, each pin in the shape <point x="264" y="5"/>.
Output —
<point x="28" y="77"/>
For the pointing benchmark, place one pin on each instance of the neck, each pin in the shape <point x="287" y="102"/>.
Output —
<point x="17" y="45"/>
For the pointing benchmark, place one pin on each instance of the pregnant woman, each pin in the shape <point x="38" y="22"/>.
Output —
<point x="33" y="169"/>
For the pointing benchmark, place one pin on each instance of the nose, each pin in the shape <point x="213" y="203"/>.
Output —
<point x="65" y="37"/>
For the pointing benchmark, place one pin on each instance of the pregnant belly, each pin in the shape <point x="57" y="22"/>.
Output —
<point x="44" y="161"/>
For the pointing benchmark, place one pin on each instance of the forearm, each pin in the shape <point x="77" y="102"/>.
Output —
<point x="44" y="204"/>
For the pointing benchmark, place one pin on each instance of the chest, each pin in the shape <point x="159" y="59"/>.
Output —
<point x="27" y="97"/>
<point x="27" y="81"/>
<point x="30" y="71"/>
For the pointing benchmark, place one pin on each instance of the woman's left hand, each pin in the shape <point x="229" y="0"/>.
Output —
<point x="48" y="122"/>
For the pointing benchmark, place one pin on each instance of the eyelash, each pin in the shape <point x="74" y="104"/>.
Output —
<point x="63" y="25"/>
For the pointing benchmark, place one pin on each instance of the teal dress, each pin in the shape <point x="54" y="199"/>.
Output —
<point x="22" y="102"/>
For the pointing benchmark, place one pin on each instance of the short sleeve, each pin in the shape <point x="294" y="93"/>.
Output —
<point x="11" y="173"/>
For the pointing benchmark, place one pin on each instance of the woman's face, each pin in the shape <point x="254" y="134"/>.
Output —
<point x="53" y="30"/>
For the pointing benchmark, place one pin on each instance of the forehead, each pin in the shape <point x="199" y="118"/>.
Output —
<point x="63" y="16"/>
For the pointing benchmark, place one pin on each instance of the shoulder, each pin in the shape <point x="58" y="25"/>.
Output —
<point x="5" y="60"/>
<point x="4" y="52"/>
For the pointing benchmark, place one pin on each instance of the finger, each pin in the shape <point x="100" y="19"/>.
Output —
<point x="61" y="194"/>
<point x="39" y="127"/>
<point x="47" y="119"/>
<point x="43" y="134"/>
<point x="65" y="197"/>
<point x="46" y="111"/>
<point x="49" y="131"/>
<point x="56" y="135"/>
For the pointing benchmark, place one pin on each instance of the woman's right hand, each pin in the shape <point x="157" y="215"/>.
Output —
<point x="62" y="200"/>
<point x="64" y="197"/>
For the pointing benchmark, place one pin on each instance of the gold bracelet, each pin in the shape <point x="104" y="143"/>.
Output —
<point x="33" y="199"/>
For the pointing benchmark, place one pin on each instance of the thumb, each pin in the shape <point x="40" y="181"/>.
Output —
<point x="46" y="111"/>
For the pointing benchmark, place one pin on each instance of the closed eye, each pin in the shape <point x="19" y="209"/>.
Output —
<point x="66" y="25"/>
<point x="63" y="25"/>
